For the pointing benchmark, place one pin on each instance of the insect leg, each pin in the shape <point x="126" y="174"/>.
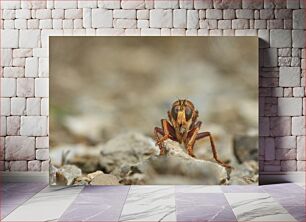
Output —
<point x="166" y="134"/>
<point x="160" y="131"/>
<point x="191" y="138"/>
<point x="208" y="134"/>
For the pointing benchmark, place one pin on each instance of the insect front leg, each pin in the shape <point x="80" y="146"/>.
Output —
<point x="208" y="134"/>
<point x="167" y="132"/>
<point x="160" y="131"/>
<point x="165" y="126"/>
<point x="191" y="138"/>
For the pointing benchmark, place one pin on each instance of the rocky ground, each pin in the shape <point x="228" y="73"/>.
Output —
<point x="133" y="158"/>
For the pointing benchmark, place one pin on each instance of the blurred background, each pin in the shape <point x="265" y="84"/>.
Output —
<point x="101" y="87"/>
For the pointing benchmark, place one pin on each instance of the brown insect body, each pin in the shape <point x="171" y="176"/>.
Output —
<point x="183" y="127"/>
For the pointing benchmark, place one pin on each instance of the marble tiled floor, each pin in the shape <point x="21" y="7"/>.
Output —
<point x="38" y="202"/>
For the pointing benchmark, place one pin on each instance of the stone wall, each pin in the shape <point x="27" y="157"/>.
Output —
<point x="26" y="25"/>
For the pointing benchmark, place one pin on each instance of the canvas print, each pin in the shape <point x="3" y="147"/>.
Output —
<point x="153" y="110"/>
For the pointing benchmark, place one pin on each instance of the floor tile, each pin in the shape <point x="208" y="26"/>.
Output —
<point x="105" y="189"/>
<point x="203" y="207"/>
<point x="283" y="188"/>
<point x="282" y="202"/>
<point x="242" y="189"/>
<point x="98" y="203"/>
<point x="22" y="187"/>
<point x="87" y="212"/>
<point x="97" y="198"/>
<point x="14" y="199"/>
<point x="298" y="212"/>
<point x="197" y="189"/>
<point x="14" y="194"/>
<point x="6" y="210"/>
<point x="291" y="199"/>
<point x="257" y="207"/>
<point x="149" y="203"/>
<point x="47" y="205"/>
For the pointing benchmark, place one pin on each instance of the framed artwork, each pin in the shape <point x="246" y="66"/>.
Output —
<point x="153" y="110"/>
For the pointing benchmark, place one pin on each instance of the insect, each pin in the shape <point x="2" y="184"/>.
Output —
<point x="183" y="127"/>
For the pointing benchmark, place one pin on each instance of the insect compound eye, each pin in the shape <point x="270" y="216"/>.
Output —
<point x="175" y="111"/>
<point x="188" y="113"/>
